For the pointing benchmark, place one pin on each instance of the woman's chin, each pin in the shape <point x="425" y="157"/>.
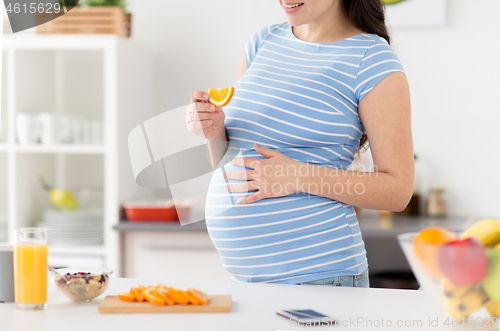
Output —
<point x="295" y="21"/>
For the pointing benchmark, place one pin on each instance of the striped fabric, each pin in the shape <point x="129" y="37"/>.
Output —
<point x="300" y="99"/>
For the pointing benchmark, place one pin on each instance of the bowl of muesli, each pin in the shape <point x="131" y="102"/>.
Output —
<point x="82" y="284"/>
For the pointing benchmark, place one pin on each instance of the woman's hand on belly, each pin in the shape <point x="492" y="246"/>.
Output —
<point x="275" y="176"/>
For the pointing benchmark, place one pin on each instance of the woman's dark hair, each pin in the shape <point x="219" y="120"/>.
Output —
<point x="369" y="16"/>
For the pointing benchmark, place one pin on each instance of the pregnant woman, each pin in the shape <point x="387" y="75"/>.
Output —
<point x="310" y="93"/>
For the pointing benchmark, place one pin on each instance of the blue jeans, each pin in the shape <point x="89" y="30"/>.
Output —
<point x="359" y="280"/>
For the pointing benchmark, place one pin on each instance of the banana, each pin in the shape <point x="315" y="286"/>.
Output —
<point x="460" y="302"/>
<point x="486" y="231"/>
<point x="493" y="308"/>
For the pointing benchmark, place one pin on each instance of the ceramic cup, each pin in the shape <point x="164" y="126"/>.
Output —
<point x="27" y="128"/>
<point x="96" y="132"/>
<point x="76" y="128"/>
<point x="6" y="274"/>
<point x="56" y="128"/>
<point x="85" y="132"/>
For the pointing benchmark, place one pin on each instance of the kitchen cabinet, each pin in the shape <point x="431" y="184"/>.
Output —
<point x="101" y="78"/>
<point x="149" y="249"/>
<point x="186" y="255"/>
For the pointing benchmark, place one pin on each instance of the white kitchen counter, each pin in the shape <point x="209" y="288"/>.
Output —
<point x="254" y="307"/>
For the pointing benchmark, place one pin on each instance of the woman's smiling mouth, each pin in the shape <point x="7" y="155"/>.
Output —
<point x="291" y="7"/>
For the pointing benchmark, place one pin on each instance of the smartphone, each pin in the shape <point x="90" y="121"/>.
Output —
<point x="306" y="317"/>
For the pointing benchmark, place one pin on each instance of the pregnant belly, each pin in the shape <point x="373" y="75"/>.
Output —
<point x="280" y="237"/>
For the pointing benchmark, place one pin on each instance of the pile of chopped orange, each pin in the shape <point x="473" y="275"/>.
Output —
<point x="164" y="295"/>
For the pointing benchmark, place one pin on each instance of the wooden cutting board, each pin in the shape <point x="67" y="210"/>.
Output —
<point x="215" y="304"/>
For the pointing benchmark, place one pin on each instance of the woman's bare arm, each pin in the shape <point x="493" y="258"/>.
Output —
<point x="386" y="116"/>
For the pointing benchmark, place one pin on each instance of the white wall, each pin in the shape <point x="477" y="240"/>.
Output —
<point x="453" y="71"/>
<point x="454" y="75"/>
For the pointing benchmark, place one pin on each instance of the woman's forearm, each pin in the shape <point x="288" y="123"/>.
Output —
<point x="371" y="190"/>
<point x="216" y="148"/>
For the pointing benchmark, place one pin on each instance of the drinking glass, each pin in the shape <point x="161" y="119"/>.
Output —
<point x="30" y="268"/>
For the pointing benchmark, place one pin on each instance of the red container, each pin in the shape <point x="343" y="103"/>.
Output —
<point x="154" y="212"/>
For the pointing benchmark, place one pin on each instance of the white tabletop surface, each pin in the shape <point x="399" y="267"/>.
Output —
<point x="254" y="307"/>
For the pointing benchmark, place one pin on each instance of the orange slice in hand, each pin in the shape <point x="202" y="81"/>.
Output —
<point x="126" y="297"/>
<point x="198" y="295"/>
<point x="220" y="97"/>
<point x="136" y="292"/>
<point x="152" y="296"/>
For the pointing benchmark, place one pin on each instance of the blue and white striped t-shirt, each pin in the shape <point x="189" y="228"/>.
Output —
<point x="300" y="99"/>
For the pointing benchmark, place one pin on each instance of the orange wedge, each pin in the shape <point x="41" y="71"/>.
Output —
<point x="198" y="295"/>
<point x="177" y="296"/>
<point x="126" y="297"/>
<point x="136" y="292"/>
<point x="152" y="296"/>
<point x="163" y="293"/>
<point x="220" y="96"/>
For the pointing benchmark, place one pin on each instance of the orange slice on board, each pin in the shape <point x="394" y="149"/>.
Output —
<point x="152" y="296"/>
<point x="163" y="293"/>
<point x="198" y="295"/>
<point x="191" y="299"/>
<point x="220" y="97"/>
<point x="177" y="296"/>
<point x="126" y="297"/>
<point x="136" y="292"/>
<point x="161" y="286"/>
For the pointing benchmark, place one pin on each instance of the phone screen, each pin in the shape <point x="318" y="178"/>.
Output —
<point x="306" y="317"/>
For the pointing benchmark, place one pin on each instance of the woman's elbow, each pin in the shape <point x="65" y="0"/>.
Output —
<point x="402" y="197"/>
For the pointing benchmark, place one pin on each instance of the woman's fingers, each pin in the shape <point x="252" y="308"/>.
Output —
<point x="199" y="96"/>
<point x="241" y="187"/>
<point x="240" y="174"/>
<point x="195" y="117"/>
<point x="199" y="125"/>
<point x="252" y="197"/>
<point x="200" y="107"/>
<point x="246" y="162"/>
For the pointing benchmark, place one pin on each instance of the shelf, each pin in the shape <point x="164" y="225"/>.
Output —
<point x="76" y="250"/>
<point x="101" y="77"/>
<point x="61" y="148"/>
<point x="59" y="42"/>
<point x="126" y="226"/>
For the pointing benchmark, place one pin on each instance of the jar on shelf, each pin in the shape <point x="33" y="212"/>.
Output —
<point x="436" y="203"/>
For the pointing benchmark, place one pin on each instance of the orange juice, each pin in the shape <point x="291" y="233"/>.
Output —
<point x="30" y="273"/>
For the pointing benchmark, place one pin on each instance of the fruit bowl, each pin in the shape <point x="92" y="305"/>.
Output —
<point x="459" y="273"/>
<point x="82" y="284"/>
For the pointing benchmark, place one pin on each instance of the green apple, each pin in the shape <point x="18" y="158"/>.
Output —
<point x="491" y="281"/>
<point x="63" y="199"/>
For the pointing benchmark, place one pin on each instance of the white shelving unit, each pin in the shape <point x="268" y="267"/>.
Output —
<point x="98" y="77"/>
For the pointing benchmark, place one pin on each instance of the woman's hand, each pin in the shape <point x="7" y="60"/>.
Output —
<point x="204" y="119"/>
<point x="275" y="176"/>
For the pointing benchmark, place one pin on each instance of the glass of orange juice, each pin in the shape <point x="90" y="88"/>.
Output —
<point x="30" y="268"/>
